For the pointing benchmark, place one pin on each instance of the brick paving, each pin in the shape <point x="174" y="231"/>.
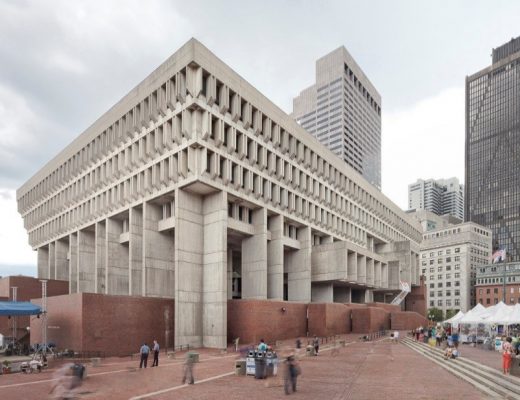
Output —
<point x="361" y="371"/>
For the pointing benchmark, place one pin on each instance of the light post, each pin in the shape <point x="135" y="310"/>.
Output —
<point x="431" y="316"/>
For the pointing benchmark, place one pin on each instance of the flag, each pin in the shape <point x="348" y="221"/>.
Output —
<point x="499" y="255"/>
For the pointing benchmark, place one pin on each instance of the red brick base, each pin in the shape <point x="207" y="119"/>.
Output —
<point x="115" y="325"/>
<point x="407" y="320"/>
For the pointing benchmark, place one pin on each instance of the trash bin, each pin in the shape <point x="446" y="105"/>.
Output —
<point x="250" y="363"/>
<point x="271" y="364"/>
<point x="240" y="367"/>
<point x="260" y="366"/>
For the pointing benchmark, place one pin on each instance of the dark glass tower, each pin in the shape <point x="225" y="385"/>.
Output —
<point x="493" y="148"/>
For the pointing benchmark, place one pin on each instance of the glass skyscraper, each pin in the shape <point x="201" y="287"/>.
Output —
<point x="492" y="148"/>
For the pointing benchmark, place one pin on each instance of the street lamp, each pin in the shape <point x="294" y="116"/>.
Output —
<point x="431" y="316"/>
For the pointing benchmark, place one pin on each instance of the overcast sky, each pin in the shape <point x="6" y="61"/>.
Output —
<point x="63" y="63"/>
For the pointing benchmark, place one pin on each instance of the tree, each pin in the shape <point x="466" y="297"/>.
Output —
<point x="450" y="313"/>
<point x="435" y="314"/>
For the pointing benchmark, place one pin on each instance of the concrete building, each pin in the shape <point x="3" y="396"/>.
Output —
<point x="195" y="187"/>
<point x="343" y="111"/>
<point x="490" y="284"/>
<point x="492" y="142"/>
<point x="450" y="258"/>
<point x="431" y="221"/>
<point x="441" y="197"/>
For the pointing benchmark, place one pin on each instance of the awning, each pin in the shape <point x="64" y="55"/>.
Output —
<point x="16" y="308"/>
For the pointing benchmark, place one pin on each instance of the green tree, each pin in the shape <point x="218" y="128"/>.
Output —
<point x="450" y="313"/>
<point x="435" y="314"/>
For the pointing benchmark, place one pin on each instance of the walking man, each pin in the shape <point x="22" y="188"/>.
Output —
<point x="145" y="350"/>
<point x="155" y="354"/>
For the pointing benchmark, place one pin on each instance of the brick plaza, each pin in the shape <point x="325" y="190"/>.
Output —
<point x="362" y="370"/>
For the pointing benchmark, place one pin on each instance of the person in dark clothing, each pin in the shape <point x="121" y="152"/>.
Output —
<point x="145" y="350"/>
<point x="155" y="354"/>
<point x="291" y="374"/>
<point x="316" y="343"/>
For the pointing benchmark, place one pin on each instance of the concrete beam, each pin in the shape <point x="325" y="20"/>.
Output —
<point x="299" y="268"/>
<point x="117" y="259"/>
<point x="73" y="262"/>
<point x="101" y="259"/>
<point x="43" y="262"/>
<point x="61" y="249"/>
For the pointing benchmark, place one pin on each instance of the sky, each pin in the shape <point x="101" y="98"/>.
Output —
<point x="63" y="63"/>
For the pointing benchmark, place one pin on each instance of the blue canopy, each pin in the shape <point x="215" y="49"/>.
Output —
<point x="15" y="308"/>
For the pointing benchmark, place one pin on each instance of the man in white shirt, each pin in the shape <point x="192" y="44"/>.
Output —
<point x="155" y="354"/>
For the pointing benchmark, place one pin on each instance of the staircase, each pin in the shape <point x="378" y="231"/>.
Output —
<point x="486" y="379"/>
<point x="405" y="289"/>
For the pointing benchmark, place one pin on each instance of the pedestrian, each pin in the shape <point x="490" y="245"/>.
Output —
<point x="262" y="346"/>
<point x="155" y="354"/>
<point x="438" y="338"/>
<point x="65" y="383"/>
<point x="507" y="355"/>
<point x="188" y="370"/>
<point x="316" y="343"/>
<point x="145" y="350"/>
<point x="292" y="370"/>
<point x="237" y="340"/>
<point x="298" y="348"/>
<point x="396" y="337"/>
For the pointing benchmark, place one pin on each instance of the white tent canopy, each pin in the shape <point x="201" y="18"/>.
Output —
<point x="455" y="319"/>
<point x="498" y="314"/>
<point x="473" y="316"/>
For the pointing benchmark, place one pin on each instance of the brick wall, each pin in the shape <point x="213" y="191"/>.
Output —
<point x="116" y="325"/>
<point x="402" y="321"/>
<point x="385" y="306"/>
<point x="416" y="299"/>
<point x="28" y="288"/>
<point x="370" y="319"/>
<point x="252" y="320"/>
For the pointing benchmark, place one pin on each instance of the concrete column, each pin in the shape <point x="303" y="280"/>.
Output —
<point x="377" y="273"/>
<point x="135" y="250"/>
<point x="73" y="263"/>
<point x="214" y="282"/>
<point x="322" y="292"/>
<point x="101" y="259"/>
<point x="361" y="269"/>
<point x="275" y="259"/>
<point x="369" y="296"/>
<point x="61" y="249"/>
<point x="158" y="254"/>
<point x="370" y="271"/>
<point x="43" y="262"/>
<point x="52" y="261"/>
<point x="299" y="268"/>
<point x="342" y="295"/>
<point x="188" y="268"/>
<point x="352" y="269"/>
<point x="229" y="274"/>
<point x="86" y="261"/>
<point x="254" y="259"/>
<point x="117" y="260"/>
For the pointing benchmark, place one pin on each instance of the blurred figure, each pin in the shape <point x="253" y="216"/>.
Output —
<point x="188" y="370"/>
<point x="396" y="337"/>
<point x="298" y="348"/>
<point x="292" y="370"/>
<point x="66" y="383"/>
<point x="155" y="354"/>
<point x="316" y="344"/>
<point x="144" y="351"/>
<point x="262" y="346"/>
<point x="237" y="340"/>
<point x="335" y="347"/>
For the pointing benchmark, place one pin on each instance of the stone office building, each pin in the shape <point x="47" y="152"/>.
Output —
<point x="197" y="188"/>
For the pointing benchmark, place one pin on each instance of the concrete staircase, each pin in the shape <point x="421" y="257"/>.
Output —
<point x="488" y="380"/>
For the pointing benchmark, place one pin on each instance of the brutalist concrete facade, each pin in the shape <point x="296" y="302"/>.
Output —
<point x="196" y="187"/>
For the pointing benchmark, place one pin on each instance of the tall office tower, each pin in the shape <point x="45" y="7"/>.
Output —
<point x="441" y="196"/>
<point x="343" y="111"/>
<point x="492" y="142"/>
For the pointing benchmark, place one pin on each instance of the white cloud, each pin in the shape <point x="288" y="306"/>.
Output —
<point x="423" y="141"/>
<point x="14" y="247"/>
